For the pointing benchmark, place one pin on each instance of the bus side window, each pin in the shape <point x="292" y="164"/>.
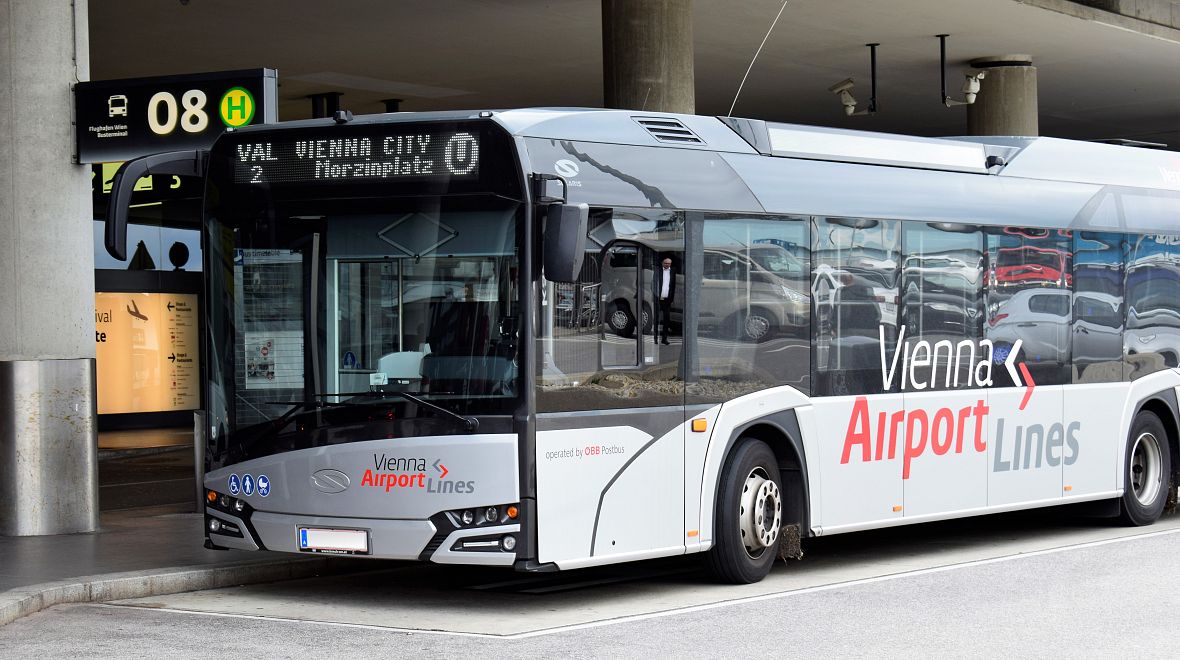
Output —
<point x="856" y="265"/>
<point x="1152" y="334"/>
<point x="1028" y="300"/>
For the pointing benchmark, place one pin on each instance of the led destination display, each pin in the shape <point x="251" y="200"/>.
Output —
<point x="419" y="155"/>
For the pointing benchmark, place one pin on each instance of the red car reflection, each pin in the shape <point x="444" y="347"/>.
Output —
<point x="1032" y="265"/>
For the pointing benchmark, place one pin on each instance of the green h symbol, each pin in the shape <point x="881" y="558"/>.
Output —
<point x="238" y="107"/>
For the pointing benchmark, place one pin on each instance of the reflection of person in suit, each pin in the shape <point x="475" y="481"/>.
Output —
<point x="665" y="290"/>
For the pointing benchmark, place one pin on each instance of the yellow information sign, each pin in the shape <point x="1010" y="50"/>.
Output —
<point x="148" y="357"/>
<point x="236" y="107"/>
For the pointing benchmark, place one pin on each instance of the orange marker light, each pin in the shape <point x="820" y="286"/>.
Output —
<point x="1068" y="488"/>
<point x="700" y="425"/>
<point x="693" y="533"/>
<point x="211" y="496"/>
<point x="896" y="508"/>
<point x="513" y="512"/>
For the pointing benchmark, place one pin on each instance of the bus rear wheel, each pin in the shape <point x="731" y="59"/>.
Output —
<point x="748" y="521"/>
<point x="1147" y="471"/>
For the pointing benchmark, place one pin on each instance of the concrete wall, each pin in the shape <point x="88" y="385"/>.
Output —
<point x="1160" y="12"/>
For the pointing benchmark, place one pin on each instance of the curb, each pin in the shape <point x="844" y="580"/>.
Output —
<point x="23" y="601"/>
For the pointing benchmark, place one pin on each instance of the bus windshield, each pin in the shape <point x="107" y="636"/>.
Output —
<point x="318" y="303"/>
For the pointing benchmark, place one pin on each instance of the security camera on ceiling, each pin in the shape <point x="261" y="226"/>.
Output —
<point x="843" y="89"/>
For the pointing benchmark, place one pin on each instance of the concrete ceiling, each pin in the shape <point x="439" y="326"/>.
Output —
<point x="1098" y="76"/>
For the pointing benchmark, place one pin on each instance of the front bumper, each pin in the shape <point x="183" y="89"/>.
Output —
<point x="443" y="539"/>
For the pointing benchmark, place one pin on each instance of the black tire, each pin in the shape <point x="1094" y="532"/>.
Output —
<point x="1147" y="471"/>
<point x="620" y="319"/>
<point x="729" y="560"/>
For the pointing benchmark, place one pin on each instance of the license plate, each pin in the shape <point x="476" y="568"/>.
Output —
<point x="334" y="541"/>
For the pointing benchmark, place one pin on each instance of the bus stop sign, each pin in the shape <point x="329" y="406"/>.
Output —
<point x="119" y="120"/>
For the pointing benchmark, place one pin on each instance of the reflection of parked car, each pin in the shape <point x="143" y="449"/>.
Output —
<point x="1153" y="324"/>
<point x="941" y="294"/>
<point x="854" y="300"/>
<point x="750" y="293"/>
<point x="1022" y="266"/>
<point x="1043" y="318"/>
<point x="940" y="313"/>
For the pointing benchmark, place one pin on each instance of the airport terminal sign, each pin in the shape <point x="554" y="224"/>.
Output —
<point x="122" y="119"/>
<point x="148" y="352"/>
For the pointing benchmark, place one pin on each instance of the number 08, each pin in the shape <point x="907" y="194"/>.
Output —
<point x="194" y="119"/>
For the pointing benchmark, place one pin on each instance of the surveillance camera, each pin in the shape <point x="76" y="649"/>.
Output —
<point x="971" y="86"/>
<point x="849" y="103"/>
<point x="843" y="89"/>
<point x="842" y="86"/>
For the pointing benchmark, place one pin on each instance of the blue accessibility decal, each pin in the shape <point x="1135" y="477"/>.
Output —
<point x="248" y="484"/>
<point x="234" y="484"/>
<point x="263" y="485"/>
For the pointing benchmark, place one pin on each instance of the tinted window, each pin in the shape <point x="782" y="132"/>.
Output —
<point x="598" y="339"/>
<point x="1098" y="312"/>
<point x="942" y="302"/>
<point x="1030" y="274"/>
<point x="1153" y="303"/>
<point x="752" y="306"/>
<point x="855" y="294"/>
<point x="1054" y="305"/>
<point x="1097" y="342"/>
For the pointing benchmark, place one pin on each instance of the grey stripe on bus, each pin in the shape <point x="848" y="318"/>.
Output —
<point x="602" y="495"/>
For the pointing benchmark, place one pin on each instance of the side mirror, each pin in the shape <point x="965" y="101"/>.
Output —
<point x="565" y="241"/>
<point x="180" y="163"/>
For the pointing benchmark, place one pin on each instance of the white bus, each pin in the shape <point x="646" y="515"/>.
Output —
<point x="450" y="337"/>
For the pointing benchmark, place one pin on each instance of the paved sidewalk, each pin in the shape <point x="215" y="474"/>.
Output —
<point x="136" y="554"/>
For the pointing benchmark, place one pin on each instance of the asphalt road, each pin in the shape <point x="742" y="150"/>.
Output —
<point x="1018" y="585"/>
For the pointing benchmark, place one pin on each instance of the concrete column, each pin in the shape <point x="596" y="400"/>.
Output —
<point x="647" y="55"/>
<point x="1007" y="100"/>
<point x="48" y="469"/>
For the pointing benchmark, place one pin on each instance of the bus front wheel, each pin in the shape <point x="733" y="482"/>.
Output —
<point x="748" y="520"/>
<point x="1147" y="472"/>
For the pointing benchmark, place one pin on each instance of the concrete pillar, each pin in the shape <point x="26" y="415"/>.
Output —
<point x="48" y="466"/>
<point x="1007" y="100"/>
<point x="647" y="55"/>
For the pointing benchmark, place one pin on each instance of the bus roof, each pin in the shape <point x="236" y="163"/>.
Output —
<point x="1043" y="158"/>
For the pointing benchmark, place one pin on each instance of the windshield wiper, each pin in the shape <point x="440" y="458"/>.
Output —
<point x="296" y="406"/>
<point x="469" y="423"/>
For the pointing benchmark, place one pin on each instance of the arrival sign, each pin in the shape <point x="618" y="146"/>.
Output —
<point x="122" y="119"/>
